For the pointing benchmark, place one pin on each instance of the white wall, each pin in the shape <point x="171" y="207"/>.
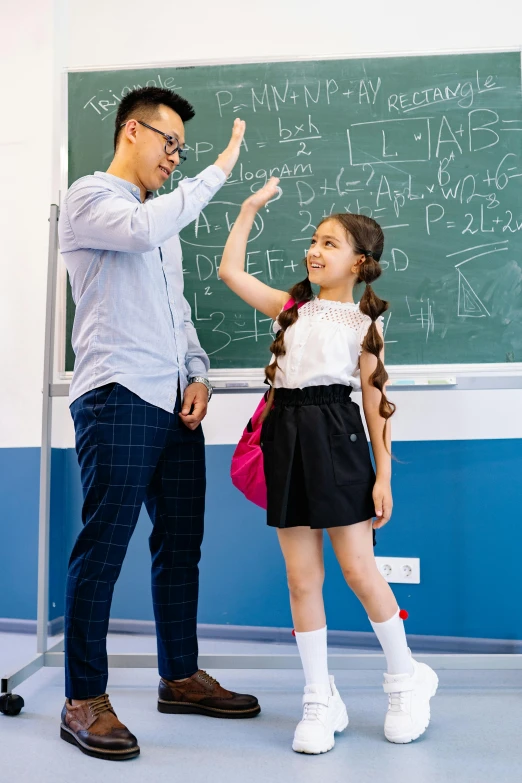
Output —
<point x="132" y="32"/>
<point x="421" y="415"/>
<point x="42" y="36"/>
<point x="26" y="64"/>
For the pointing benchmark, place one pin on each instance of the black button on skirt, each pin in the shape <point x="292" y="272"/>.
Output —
<point x="317" y="460"/>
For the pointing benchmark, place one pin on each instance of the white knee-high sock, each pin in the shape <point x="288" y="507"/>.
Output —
<point x="314" y="656"/>
<point x="392" y="637"/>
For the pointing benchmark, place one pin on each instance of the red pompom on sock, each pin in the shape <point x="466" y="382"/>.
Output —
<point x="403" y="614"/>
<point x="293" y="632"/>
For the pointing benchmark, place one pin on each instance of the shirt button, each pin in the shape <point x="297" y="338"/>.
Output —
<point x="353" y="437"/>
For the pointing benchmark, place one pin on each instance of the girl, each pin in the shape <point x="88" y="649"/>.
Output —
<point x="317" y="462"/>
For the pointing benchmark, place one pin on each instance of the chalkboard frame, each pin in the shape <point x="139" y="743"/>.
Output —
<point x="433" y="376"/>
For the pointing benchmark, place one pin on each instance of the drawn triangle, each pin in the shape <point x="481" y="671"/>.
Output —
<point x="470" y="305"/>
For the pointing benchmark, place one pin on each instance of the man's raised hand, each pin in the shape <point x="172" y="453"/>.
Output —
<point x="228" y="158"/>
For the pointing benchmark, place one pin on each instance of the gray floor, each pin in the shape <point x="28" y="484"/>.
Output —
<point x="474" y="735"/>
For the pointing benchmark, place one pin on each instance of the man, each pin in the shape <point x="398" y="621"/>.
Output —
<point x="138" y="396"/>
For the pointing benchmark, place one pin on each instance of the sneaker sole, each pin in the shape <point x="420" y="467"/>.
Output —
<point x="314" y="750"/>
<point x="182" y="708"/>
<point x="405" y="739"/>
<point x="107" y="755"/>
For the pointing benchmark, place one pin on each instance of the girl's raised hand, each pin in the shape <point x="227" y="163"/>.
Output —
<point x="264" y="195"/>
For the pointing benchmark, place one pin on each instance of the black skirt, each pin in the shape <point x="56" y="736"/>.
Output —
<point x="317" y="461"/>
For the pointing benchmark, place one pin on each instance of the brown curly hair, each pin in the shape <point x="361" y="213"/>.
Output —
<point x="367" y="239"/>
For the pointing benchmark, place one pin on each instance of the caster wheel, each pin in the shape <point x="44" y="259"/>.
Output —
<point x="11" y="704"/>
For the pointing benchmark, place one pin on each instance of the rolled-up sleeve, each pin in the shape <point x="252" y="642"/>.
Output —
<point x="99" y="219"/>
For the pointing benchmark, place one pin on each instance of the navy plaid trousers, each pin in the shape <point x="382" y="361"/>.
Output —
<point x="131" y="452"/>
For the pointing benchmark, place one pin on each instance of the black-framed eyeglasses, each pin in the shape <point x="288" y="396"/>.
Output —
<point x="172" y="145"/>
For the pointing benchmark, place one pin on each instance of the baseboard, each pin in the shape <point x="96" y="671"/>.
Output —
<point x="12" y="625"/>
<point x="364" y="639"/>
<point x="249" y="633"/>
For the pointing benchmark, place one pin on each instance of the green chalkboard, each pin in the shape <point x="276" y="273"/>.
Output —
<point x="430" y="146"/>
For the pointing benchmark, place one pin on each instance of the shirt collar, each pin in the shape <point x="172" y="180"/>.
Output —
<point x="129" y="186"/>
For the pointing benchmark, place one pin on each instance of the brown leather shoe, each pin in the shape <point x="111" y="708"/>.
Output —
<point x="201" y="694"/>
<point x="94" y="728"/>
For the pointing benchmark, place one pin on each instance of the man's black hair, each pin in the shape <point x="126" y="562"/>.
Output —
<point x="143" y="103"/>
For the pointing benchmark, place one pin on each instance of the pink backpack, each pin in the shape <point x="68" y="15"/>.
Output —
<point x="247" y="470"/>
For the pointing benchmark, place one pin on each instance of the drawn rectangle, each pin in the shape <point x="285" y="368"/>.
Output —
<point x="404" y="140"/>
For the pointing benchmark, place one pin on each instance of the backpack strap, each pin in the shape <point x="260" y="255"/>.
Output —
<point x="291" y="303"/>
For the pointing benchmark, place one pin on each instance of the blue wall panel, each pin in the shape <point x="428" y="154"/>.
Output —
<point x="456" y="507"/>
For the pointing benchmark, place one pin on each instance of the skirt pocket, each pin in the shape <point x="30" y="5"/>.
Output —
<point x="351" y="459"/>
<point x="268" y="459"/>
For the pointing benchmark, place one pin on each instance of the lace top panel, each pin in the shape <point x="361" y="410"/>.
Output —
<point x="323" y="346"/>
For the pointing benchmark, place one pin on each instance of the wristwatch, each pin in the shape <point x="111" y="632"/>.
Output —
<point x="205" y="381"/>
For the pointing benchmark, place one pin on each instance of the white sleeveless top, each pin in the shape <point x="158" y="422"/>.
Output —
<point x="323" y="346"/>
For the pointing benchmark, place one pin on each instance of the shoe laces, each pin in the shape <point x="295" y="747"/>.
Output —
<point x="207" y="677"/>
<point x="397" y="701"/>
<point x="100" y="704"/>
<point x="313" y="711"/>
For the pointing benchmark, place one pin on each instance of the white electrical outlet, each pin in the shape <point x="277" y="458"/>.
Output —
<point x="405" y="570"/>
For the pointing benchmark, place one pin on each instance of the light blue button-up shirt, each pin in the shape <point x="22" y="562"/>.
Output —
<point x="132" y="324"/>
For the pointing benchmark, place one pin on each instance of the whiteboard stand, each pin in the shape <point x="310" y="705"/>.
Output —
<point x="11" y="704"/>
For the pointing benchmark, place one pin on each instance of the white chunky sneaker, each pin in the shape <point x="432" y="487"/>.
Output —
<point x="409" y="697"/>
<point x="324" y="713"/>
